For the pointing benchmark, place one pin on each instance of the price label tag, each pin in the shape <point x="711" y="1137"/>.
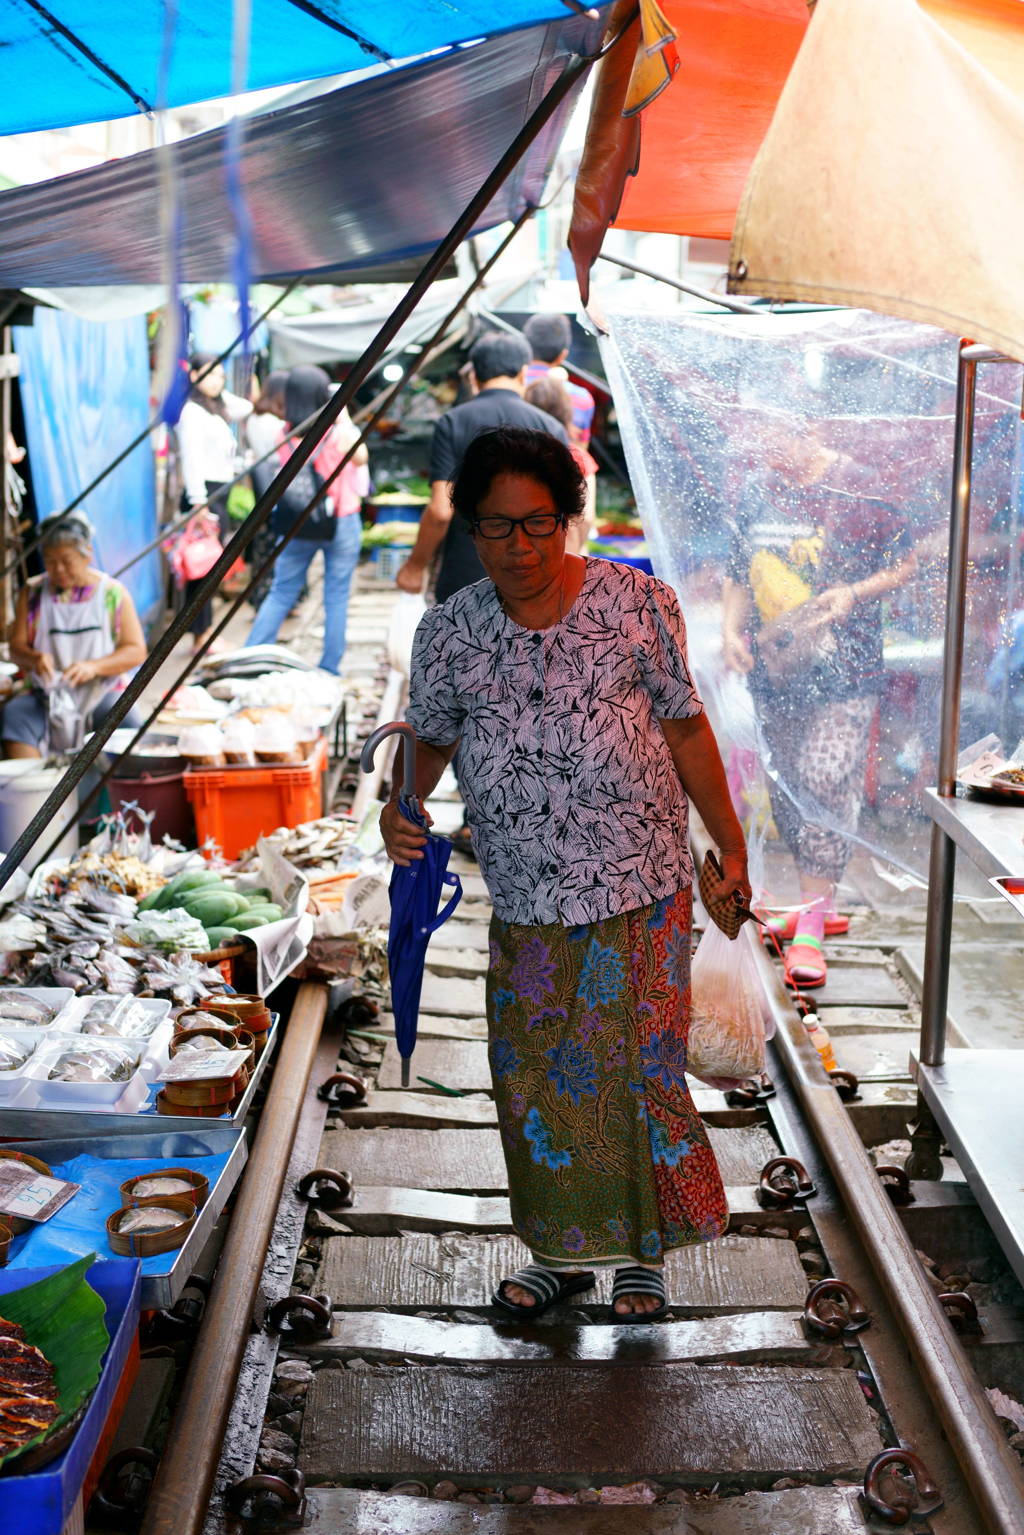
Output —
<point x="30" y="1195"/>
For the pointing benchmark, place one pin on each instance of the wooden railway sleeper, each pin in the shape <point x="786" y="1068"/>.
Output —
<point x="898" y="1488"/>
<point x="833" y="1309"/>
<point x="783" y="1184"/>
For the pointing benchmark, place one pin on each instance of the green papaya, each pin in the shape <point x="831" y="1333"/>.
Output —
<point x="148" y="902"/>
<point x="268" y="910"/>
<point x="182" y="884"/>
<point x="213" y="907"/>
<point x="245" y="921"/>
<point x="218" y="937"/>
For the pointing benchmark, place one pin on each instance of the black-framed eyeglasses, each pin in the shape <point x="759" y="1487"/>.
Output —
<point x="537" y="525"/>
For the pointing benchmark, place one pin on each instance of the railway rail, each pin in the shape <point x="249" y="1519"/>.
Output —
<point x="814" y="1376"/>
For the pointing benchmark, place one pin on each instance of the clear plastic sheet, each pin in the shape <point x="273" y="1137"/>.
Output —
<point x="775" y="458"/>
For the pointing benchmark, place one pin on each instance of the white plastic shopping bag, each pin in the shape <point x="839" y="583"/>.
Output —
<point x="727" y="1028"/>
<point x="405" y="617"/>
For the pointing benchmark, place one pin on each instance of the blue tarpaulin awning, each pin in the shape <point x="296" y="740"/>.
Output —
<point x="79" y="61"/>
<point x="376" y="170"/>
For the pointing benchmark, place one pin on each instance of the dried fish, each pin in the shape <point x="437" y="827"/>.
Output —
<point x="19" y="1007"/>
<point x="13" y="1053"/>
<point x="181" y="977"/>
<point x="100" y="1063"/>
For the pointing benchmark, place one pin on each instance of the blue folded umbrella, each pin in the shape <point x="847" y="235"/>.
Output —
<point x="415" y="892"/>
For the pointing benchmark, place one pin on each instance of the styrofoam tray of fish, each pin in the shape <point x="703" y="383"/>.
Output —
<point x="157" y="1051"/>
<point x="29" y="1007"/>
<point x="94" y="1072"/>
<point x="105" y="1015"/>
<point x="17" y="1045"/>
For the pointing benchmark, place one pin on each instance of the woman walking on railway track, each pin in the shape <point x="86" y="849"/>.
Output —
<point x="564" y="684"/>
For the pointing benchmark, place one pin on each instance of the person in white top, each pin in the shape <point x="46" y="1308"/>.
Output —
<point x="208" y="454"/>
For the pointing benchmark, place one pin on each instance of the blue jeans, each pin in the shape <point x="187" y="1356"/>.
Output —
<point x="341" y="556"/>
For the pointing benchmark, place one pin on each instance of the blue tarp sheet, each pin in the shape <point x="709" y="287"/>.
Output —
<point x="377" y="170"/>
<point x="77" y="61"/>
<point x="85" y="394"/>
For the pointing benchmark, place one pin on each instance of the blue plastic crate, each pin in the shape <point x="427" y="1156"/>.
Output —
<point x="40" y="1503"/>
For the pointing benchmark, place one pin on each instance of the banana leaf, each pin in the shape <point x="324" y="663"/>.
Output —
<point x="63" y="1317"/>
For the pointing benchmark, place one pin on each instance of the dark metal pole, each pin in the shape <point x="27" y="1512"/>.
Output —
<point x="380" y="405"/>
<point x="735" y="304"/>
<point x="150" y="426"/>
<point x="184" y="1478"/>
<point x="942" y="863"/>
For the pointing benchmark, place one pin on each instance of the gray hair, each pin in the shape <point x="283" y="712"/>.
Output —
<point x="58" y="530"/>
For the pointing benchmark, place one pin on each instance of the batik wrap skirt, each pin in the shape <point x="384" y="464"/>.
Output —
<point x="608" y="1160"/>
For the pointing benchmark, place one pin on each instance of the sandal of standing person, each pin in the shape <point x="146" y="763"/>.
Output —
<point x="548" y="1286"/>
<point x="783" y="924"/>
<point x="805" y="958"/>
<point x="635" y="1281"/>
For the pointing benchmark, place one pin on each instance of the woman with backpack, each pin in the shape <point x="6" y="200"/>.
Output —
<point x="334" y="528"/>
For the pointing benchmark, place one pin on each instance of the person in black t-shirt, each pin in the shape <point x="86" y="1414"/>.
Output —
<point x="499" y="360"/>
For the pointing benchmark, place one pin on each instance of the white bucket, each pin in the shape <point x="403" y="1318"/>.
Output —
<point x="24" y="788"/>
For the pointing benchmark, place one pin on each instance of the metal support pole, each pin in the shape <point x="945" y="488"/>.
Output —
<point x="735" y="304"/>
<point x="181" y="1490"/>
<point x="942" y="865"/>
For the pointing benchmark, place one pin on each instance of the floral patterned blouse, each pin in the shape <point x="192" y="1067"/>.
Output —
<point x="574" y="802"/>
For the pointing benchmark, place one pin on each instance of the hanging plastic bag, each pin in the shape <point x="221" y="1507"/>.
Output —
<point x="405" y="618"/>
<point x="727" y="1028"/>
<point x="65" y="720"/>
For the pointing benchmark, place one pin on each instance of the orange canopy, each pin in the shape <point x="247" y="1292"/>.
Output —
<point x="697" y="140"/>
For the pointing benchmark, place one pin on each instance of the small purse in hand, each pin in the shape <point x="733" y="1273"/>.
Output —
<point x="729" y="913"/>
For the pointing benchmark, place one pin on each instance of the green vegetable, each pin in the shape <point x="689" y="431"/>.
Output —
<point x="268" y="910"/>
<point x="258" y="917"/>
<point x="220" y="936"/>
<point x="213" y="907"/>
<point x="181" y="884"/>
<point x="149" y="901"/>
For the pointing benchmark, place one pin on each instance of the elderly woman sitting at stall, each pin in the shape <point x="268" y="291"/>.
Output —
<point x="73" y="626"/>
<point x="564" y="684"/>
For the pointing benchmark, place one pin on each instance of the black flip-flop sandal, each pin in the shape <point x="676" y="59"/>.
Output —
<point x="547" y="1285"/>
<point x="639" y="1281"/>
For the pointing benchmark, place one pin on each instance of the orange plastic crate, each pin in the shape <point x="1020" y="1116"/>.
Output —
<point x="234" y="806"/>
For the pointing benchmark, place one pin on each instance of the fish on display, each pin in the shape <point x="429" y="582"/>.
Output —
<point x="19" y="1007"/>
<point x="13" y="1053"/>
<point x="104" y="1063"/>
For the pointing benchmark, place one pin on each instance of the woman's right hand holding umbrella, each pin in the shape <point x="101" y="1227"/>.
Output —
<point x="403" y="841"/>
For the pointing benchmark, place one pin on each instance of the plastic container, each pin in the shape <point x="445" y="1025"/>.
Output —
<point x="42" y="1502"/>
<point x="162" y="793"/>
<point x="235" y="806"/>
<point x="25" y="786"/>
<point x="386" y="561"/>
<point x="394" y="508"/>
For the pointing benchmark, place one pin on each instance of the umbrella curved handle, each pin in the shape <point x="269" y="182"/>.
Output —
<point x="396" y="727"/>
